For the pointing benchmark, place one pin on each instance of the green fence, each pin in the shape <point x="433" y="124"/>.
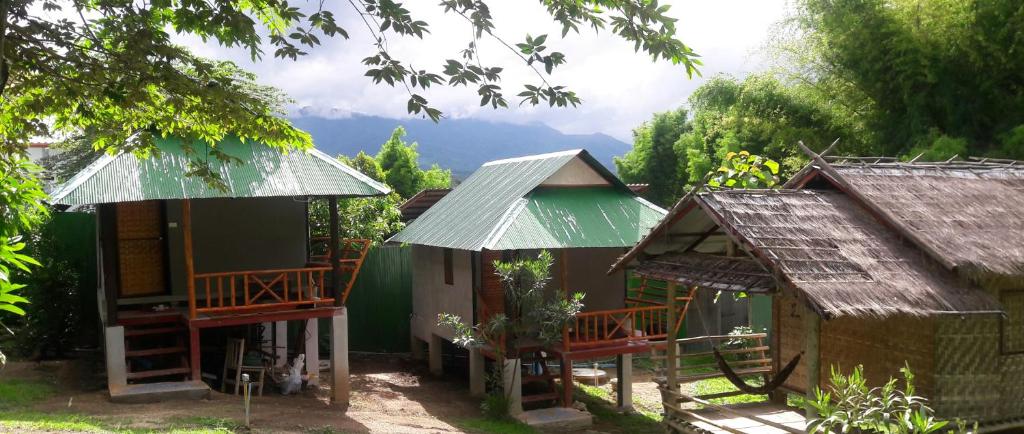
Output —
<point x="380" y="303"/>
<point x="75" y="236"/>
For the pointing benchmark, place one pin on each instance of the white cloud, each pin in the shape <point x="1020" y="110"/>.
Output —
<point x="620" y="88"/>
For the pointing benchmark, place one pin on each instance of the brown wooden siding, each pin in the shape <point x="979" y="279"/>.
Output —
<point x="492" y="293"/>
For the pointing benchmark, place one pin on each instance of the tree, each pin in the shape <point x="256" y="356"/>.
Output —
<point x="21" y="210"/>
<point x="653" y="159"/>
<point x="400" y="164"/>
<point x="918" y="75"/>
<point x="366" y="164"/>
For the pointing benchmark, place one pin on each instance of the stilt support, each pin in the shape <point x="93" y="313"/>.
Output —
<point x="624" y="392"/>
<point x="313" y="351"/>
<point x="513" y="381"/>
<point x="434" y="353"/>
<point x="340" y="388"/>
<point x="477" y="376"/>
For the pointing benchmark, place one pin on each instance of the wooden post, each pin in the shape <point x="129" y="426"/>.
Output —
<point x="332" y="251"/>
<point x="190" y="272"/>
<point x="812" y="354"/>
<point x="194" y="354"/>
<point x="670" y="339"/>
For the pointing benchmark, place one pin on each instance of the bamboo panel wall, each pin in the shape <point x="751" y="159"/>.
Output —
<point x="141" y="248"/>
<point x="973" y="380"/>
<point x="881" y="346"/>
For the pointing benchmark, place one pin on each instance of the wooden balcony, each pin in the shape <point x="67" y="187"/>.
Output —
<point x="249" y="291"/>
<point x="629" y="329"/>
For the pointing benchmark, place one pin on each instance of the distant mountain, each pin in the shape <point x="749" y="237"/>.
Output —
<point x="461" y="145"/>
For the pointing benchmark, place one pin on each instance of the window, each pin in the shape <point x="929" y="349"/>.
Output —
<point x="1012" y="325"/>
<point x="449" y="275"/>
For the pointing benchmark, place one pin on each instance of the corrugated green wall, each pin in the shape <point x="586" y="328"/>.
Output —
<point x="381" y="301"/>
<point x="75" y="235"/>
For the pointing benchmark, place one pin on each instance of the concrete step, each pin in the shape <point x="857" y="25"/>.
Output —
<point x="556" y="419"/>
<point x="155" y="392"/>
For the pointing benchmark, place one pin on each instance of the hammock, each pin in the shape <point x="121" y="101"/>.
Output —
<point x="768" y="387"/>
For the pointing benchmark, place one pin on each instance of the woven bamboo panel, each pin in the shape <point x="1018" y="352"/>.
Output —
<point x="973" y="380"/>
<point x="141" y="249"/>
<point x="882" y="346"/>
<point x="791" y="339"/>
<point x="1013" y="324"/>
<point x="139" y="220"/>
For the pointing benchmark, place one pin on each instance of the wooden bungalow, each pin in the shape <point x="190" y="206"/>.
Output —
<point x="873" y="262"/>
<point x="179" y="256"/>
<point x="565" y="202"/>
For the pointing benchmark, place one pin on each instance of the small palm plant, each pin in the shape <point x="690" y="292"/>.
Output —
<point x="852" y="407"/>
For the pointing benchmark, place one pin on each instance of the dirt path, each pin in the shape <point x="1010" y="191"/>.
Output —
<point x="391" y="395"/>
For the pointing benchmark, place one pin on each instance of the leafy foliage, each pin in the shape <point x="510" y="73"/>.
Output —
<point x="743" y="170"/>
<point x="21" y="210"/>
<point x="654" y="159"/>
<point x="53" y="318"/>
<point x="399" y="163"/>
<point x="851" y="406"/>
<point x="532" y="314"/>
<point x="935" y="72"/>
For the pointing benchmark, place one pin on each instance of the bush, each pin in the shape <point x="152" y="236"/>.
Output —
<point x="53" y="316"/>
<point x="851" y="407"/>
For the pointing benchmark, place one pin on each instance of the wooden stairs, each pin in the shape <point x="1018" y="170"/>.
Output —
<point x="539" y="385"/>
<point x="156" y="348"/>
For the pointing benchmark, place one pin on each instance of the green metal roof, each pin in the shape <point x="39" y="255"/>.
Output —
<point x="264" y="172"/>
<point x="502" y="206"/>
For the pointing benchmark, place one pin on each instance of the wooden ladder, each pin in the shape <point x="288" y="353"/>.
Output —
<point x="156" y="350"/>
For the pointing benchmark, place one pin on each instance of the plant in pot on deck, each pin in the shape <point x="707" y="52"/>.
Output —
<point x="534" y="317"/>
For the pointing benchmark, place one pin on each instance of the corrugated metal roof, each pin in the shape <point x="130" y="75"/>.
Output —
<point x="494" y="209"/>
<point x="264" y="172"/>
<point x="555" y="218"/>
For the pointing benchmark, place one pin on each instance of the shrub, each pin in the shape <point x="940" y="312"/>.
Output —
<point x="852" y="407"/>
<point x="52" y="318"/>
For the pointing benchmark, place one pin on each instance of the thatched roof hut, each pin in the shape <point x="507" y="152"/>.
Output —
<point x="876" y="262"/>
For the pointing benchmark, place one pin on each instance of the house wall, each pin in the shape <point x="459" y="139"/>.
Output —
<point x="575" y="172"/>
<point x="237" y="234"/>
<point x="882" y="346"/>
<point x="588" y="274"/>
<point x="974" y="381"/>
<point x="431" y="296"/>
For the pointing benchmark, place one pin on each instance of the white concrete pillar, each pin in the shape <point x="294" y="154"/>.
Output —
<point x="434" y="353"/>
<point x="267" y="337"/>
<point x="624" y="392"/>
<point x="117" y="368"/>
<point x="340" y="388"/>
<point x="313" y="351"/>
<point x="281" y="343"/>
<point x="416" y="347"/>
<point x="477" y="376"/>
<point x="512" y="379"/>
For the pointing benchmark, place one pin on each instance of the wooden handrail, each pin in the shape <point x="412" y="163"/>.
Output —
<point x="619" y="326"/>
<point x="260" y="289"/>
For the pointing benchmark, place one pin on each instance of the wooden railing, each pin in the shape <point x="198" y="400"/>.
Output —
<point x="253" y="290"/>
<point x="619" y="326"/>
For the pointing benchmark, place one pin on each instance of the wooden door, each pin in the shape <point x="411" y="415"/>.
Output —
<point x="142" y="249"/>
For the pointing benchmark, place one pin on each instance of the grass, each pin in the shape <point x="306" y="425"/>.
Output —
<point x="17" y="392"/>
<point x="19" y="420"/>
<point x="719" y="385"/>
<point x="600" y="403"/>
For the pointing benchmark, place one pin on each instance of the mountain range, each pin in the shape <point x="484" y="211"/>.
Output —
<point x="461" y="145"/>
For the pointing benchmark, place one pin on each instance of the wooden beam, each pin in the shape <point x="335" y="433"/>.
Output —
<point x="109" y="259"/>
<point x="284" y="315"/>
<point x="190" y="272"/>
<point x="194" y="354"/>
<point x="670" y="340"/>
<point x="701" y="238"/>
<point x="332" y="251"/>
<point x="812" y="355"/>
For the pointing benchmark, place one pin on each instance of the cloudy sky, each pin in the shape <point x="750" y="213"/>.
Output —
<point x="620" y="88"/>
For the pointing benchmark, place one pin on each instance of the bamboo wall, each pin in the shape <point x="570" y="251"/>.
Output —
<point x="973" y="380"/>
<point x="881" y="346"/>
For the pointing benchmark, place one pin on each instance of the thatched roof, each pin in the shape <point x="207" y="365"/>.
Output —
<point x="709" y="271"/>
<point x="837" y="256"/>
<point x="968" y="214"/>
